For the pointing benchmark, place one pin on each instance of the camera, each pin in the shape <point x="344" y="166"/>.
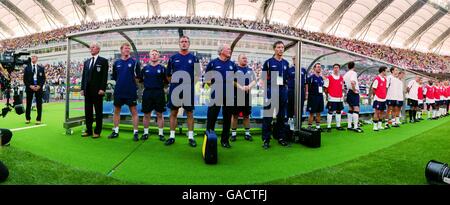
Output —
<point x="9" y="61"/>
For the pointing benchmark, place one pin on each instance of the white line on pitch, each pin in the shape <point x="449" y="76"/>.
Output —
<point x="30" y="127"/>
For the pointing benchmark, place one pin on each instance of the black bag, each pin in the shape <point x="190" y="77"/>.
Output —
<point x="310" y="137"/>
<point x="209" y="148"/>
<point x="5" y="137"/>
<point x="287" y="131"/>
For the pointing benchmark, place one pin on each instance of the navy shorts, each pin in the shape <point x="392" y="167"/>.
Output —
<point x="379" y="105"/>
<point x="413" y="103"/>
<point x="335" y="106"/>
<point x="315" y="104"/>
<point x="421" y="105"/>
<point x="245" y="110"/>
<point x="171" y="106"/>
<point x="352" y="98"/>
<point x="394" y="103"/>
<point x="119" y="102"/>
<point x="153" y="99"/>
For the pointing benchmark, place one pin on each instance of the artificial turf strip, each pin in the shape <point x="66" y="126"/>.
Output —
<point x="27" y="168"/>
<point x="248" y="163"/>
<point x="402" y="163"/>
<point x="245" y="163"/>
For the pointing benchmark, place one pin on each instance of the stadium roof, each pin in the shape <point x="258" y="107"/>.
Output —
<point x="423" y="25"/>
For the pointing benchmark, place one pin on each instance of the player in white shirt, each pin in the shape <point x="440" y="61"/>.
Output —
<point x="351" y="84"/>
<point x="412" y="95"/>
<point x="394" y="99"/>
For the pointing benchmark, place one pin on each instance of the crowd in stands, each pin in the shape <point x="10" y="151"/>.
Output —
<point x="410" y="59"/>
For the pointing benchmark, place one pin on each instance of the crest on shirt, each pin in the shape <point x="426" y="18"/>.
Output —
<point x="189" y="61"/>
<point x="231" y="67"/>
<point x="159" y="71"/>
<point x="129" y="65"/>
<point x="285" y="67"/>
<point x="40" y="74"/>
<point x="98" y="68"/>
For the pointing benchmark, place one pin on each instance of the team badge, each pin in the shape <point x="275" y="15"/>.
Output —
<point x="129" y="65"/>
<point x="285" y="67"/>
<point x="231" y="67"/>
<point x="98" y="68"/>
<point x="190" y="61"/>
<point x="159" y="71"/>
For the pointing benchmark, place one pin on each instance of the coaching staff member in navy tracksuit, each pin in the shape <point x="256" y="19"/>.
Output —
<point x="153" y="98"/>
<point x="93" y="87"/>
<point x="280" y="66"/>
<point x="34" y="80"/>
<point x="315" y="104"/>
<point x="126" y="72"/>
<point x="222" y="65"/>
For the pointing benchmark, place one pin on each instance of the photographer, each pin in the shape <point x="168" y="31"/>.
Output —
<point x="34" y="79"/>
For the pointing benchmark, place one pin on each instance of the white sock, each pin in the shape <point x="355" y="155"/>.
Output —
<point x="329" y="119"/>
<point x="172" y="133"/>
<point x="429" y="114"/>
<point x="349" y="119"/>
<point x="116" y="129"/>
<point x="161" y="131"/>
<point x="135" y="131"/>
<point x="145" y="131"/>
<point x="233" y="132"/>
<point x="397" y="120"/>
<point x="434" y="113"/>
<point x="355" y="120"/>
<point x="338" y="120"/>
<point x="191" y="134"/>
<point x="375" y="126"/>
<point x="380" y="123"/>
<point x="317" y="126"/>
<point x="247" y="131"/>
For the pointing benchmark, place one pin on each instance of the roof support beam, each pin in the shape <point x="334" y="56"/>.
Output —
<point x="120" y="8"/>
<point x="369" y="18"/>
<point x="87" y="11"/>
<point x="440" y="39"/>
<point x="402" y="19"/>
<point x="5" y="28"/>
<point x="154" y="4"/>
<point x="52" y="11"/>
<point x="228" y="9"/>
<point x="190" y="8"/>
<point x="300" y="11"/>
<point x="263" y="12"/>
<point x="336" y="15"/>
<point x="428" y="24"/>
<point x="15" y="11"/>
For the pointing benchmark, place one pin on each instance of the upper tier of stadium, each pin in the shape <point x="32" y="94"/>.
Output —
<point x="413" y="34"/>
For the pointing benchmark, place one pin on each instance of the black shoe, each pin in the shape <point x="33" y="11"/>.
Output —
<point x="387" y="126"/>
<point x="136" y="137"/>
<point x="266" y="145"/>
<point x="225" y="144"/>
<point x="233" y="138"/>
<point x="328" y="129"/>
<point x="113" y="135"/>
<point x="283" y="143"/>
<point x="144" y="137"/>
<point x="359" y="130"/>
<point x="350" y="129"/>
<point x="339" y="128"/>
<point x="161" y="138"/>
<point x="192" y="143"/>
<point x="395" y="125"/>
<point x="170" y="141"/>
<point x="248" y="138"/>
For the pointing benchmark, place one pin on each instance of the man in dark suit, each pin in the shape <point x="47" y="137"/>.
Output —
<point x="34" y="79"/>
<point x="93" y="87"/>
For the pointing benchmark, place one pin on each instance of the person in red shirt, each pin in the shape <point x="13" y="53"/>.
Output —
<point x="379" y="87"/>
<point x="334" y="86"/>
<point x="429" y="95"/>
<point x="420" y="97"/>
